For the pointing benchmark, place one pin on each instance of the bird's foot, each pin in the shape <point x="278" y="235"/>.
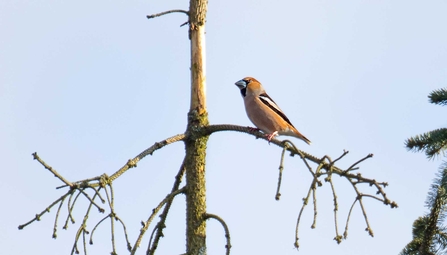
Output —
<point x="271" y="136"/>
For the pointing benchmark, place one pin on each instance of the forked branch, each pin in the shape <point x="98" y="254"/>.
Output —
<point x="97" y="185"/>
<point x="327" y="169"/>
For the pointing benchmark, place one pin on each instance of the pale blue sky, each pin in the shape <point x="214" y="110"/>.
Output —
<point x="90" y="84"/>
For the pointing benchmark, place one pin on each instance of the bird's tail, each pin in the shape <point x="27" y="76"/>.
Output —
<point x="298" y="135"/>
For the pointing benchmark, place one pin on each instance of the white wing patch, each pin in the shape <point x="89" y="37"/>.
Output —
<point x="266" y="99"/>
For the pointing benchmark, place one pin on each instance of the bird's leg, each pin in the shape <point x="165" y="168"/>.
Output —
<point x="271" y="136"/>
<point x="252" y="129"/>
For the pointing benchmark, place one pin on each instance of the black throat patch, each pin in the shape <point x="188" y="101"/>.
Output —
<point x="244" y="92"/>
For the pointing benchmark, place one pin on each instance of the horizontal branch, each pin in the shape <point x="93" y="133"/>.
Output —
<point x="225" y="127"/>
<point x="322" y="162"/>
<point x="326" y="168"/>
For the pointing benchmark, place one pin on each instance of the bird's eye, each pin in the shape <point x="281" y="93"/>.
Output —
<point x="247" y="81"/>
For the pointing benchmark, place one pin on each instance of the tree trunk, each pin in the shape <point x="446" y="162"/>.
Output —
<point x="196" y="144"/>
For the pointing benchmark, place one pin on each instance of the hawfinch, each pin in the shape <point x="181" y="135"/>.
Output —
<point x="263" y="111"/>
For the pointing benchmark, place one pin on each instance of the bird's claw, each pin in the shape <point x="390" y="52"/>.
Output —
<point x="271" y="136"/>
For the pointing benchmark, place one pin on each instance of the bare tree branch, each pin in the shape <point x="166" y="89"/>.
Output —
<point x="281" y="167"/>
<point x="37" y="217"/>
<point x="149" y="151"/>
<point x="163" y="216"/>
<point x="224" y="225"/>
<point x="56" y="218"/>
<point x="56" y="174"/>
<point x="358" y="162"/>
<point x="166" y="12"/>
<point x="82" y="230"/>
<point x="325" y="169"/>
<point x="146" y="223"/>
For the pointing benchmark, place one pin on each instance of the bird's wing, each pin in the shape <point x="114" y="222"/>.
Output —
<point x="265" y="99"/>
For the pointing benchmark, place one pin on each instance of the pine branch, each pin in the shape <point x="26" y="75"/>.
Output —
<point x="438" y="97"/>
<point x="431" y="228"/>
<point x="433" y="143"/>
<point x="412" y="248"/>
<point x="419" y="226"/>
<point x="436" y="201"/>
<point x="429" y="234"/>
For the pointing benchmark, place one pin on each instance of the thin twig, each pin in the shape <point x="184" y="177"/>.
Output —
<point x="281" y="167"/>
<point x="70" y="210"/>
<point x="37" y="217"/>
<point x="166" y="12"/>
<point x="374" y="197"/>
<point x="80" y="182"/>
<point x="133" y="162"/>
<point x="365" y="216"/>
<point x="305" y="202"/>
<point x="314" y="201"/>
<point x="56" y="218"/>
<point x="334" y="195"/>
<point x="112" y="229"/>
<point x="92" y="202"/>
<point x="69" y="215"/>
<point x="97" y="193"/>
<point x="129" y="247"/>
<point x="345" y="234"/>
<point x="157" y="227"/>
<point x="358" y="162"/>
<point x="84" y="242"/>
<point x="109" y="200"/>
<point x="112" y="214"/>
<point x="227" y="231"/>
<point x="345" y="152"/>
<point x="94" y="228"/>
<point x="163" y="216"/>
<point x="82" y="228"/>
<point x="307" y="164"/>
<point x="56" y="174"/>
<point x="151" y="217"/>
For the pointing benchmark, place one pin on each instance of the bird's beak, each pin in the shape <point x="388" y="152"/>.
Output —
<point x="241" y="84"/>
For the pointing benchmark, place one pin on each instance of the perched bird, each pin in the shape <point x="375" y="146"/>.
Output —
<point x="263" y="111"/>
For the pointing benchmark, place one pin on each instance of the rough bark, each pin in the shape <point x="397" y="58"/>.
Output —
<point x="195" y="143"/>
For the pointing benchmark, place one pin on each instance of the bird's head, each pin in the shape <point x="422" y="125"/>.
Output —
<point x="245" y="83"/>
<point x="242" y="84"/>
